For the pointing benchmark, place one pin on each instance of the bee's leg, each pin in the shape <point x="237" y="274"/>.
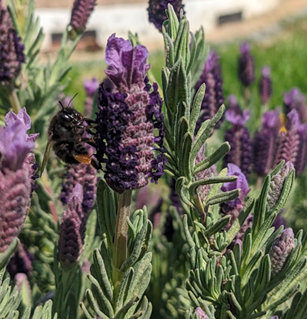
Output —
<point x="88" y="130"/>
<point x="89" y="121"/>
<point x="95" y="163"/>
<point x="89" y="141"/>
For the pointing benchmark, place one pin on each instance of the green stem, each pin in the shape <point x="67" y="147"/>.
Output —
<point x="200" y="208"/>
<point x="13" y="99"/>
<point x="121" y="229"/>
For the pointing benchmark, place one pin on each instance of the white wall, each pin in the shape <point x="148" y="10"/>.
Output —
<point x="121" y="18"/>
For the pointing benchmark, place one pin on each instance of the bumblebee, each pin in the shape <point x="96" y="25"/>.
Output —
<point x="66" y="137"/>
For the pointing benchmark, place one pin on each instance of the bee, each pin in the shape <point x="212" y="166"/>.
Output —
<point x="66" y="137"/>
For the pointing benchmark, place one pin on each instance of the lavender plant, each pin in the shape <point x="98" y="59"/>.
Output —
<point x="208" y="249"/>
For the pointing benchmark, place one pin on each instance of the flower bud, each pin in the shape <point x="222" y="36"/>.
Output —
<point x="214" y="97"/>
<point x="281" y="249"/>
<point x="127" y="118"/>
<point x="11" y="53"/>
<point x="265" y="85"/>
<point x="72" y="229"/>
<point x="246" y="70"/>
<point x="80" y="14"/>
<point x="276" y="185"/>
<point x="157" y="14"/>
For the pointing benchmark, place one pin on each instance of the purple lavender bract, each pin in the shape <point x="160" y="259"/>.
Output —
<point x="11" y="53"/>
<point x="238" y="137"/>
<point x="214" y="97"/>
<point x="294" y="99"/>
<point x="128" y="115"/>
<point x="156" y="11"/>
<point x="246" y="70"/>
<point x="15" y="175"/>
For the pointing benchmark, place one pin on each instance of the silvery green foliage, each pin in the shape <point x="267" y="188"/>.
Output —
<point x="126" y="299"/>
<point x="185" y="52"/>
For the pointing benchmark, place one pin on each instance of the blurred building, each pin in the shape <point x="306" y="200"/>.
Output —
<point x="119" y="16"/>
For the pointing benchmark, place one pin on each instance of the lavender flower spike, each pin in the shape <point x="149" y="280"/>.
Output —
<point x="277" y="185"/>
<point x="15" y="176"/>
<point x="200" y="313"/>
<point x="72" y="230"/>
<point x="265" y="85"/>
<point x="85" y="175"/>
<point x="80" y="14"/>
<point x="238" y="137"/>
<point x="11" y="53"/>
<point x="246" y="70"/>
<point x="281" y="249"/>
<point x="129" y="112"/>
<point x="214" y="97"/>
<point x="156" y="11"/>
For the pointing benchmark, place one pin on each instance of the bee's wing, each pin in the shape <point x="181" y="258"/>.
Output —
<point x="47" y="153"/>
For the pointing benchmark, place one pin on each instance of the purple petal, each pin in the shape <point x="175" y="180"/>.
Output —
<point x="271" y="119"/>
<point x="14" y="146"/>
<point x="90" y="86"/>
<point x="293" y="121"/>
<point x="22" y="117"/>
<point x="266" y="72"/>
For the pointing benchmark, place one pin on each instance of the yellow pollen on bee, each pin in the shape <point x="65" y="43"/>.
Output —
<point x="283" y="120"/>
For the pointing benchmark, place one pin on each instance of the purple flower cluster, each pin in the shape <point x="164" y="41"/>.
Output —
<point x="129" y="113"/>
<point x="90" y="87"/>
<point x="72" y="229"/>
<point x="246" y="69"/>
<point x="86" y="176"/>
<point x="279" y="140"/>
<point x="200" y="314"/>
<point x="80" y="14"/>
<point x="16" y="175"/>
<point x="11" y="53"/>
<point x="281" y="249"/>
<point x="156" y="11"/>
<point x="234" y="207"/>
<point x="214" y="97"/>
<point x="265" y="85"/>
<point x="294" y="99"/>
<point x="238" y="137"/>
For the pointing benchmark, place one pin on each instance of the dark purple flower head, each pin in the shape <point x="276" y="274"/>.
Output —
<point x="265" y="85"/>
<point x="214" y="97"/>
<point x="281" y="249"/>
<point x="11" y="53"/>
<point x="72" y="229"/>
<point x="157" y="14"/>
<point x="294" y="99"/>
<point x="246" y="70"/>
<point x="128" y="115"/>
<point x="240" y="183"/>
<point x="80" y="14"/>
<point x="15" y="143"/>
<point x="90" y="86"/>
<point x="21" y="262"/>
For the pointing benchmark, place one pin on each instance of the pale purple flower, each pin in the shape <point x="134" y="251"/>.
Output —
<point x="90" y="86"/>
<point x="80" y="14"/>
<point x="246" y="70"/>
<point x="265" y="85"/>
<point x="201" y="314"/>
<point x="294" y="99"/>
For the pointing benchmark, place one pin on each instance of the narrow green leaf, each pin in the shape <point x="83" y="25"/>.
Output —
<point x="196" y="106"/>
<point x="184" y="160"/>
<point x="218" y="226"/>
